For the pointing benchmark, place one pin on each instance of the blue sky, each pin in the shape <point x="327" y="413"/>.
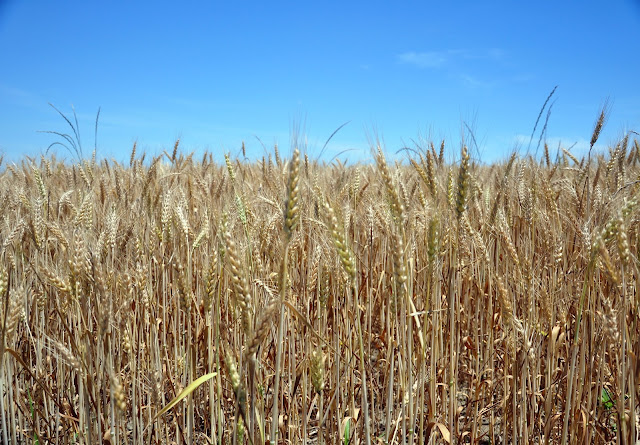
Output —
<point x="218" y="73"/>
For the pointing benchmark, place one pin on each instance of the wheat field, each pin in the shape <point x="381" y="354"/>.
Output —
<point x="431" y="300"/>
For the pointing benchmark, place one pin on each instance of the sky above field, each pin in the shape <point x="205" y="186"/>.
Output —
<point x="216" y="74"/>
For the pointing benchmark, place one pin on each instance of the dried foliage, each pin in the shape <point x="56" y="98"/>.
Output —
<point x="412" y="302"/>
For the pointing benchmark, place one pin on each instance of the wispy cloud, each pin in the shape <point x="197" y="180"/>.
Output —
<point x="438" y="59"/>
<point x="474" y="82"/>
<point x="21" y="97"/>
<point x="474" y="68"/>
<point x="496" y="53"/>
<point x="577" y="146"/>
<point x="493" y="54"/>
<point x="431" y="59"/>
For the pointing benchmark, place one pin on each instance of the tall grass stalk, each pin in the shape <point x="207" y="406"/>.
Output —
<point x="414" y="301"/>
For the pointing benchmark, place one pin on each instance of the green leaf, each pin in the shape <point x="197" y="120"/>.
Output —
<point x="606" y="399"/>
<point x="346" y="427"/>
<point x="347" y="433"/>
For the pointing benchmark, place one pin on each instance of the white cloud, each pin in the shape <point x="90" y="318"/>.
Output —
<point x="22" y="98"/>
<point x="496" y="53"/>
<point x="474" y="82"/>
<point x="579" y="147"/>
<point x="437" y="59"/>
<point x="431" y="59"/>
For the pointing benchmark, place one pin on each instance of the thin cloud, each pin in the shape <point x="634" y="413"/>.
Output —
<point x="437" y="59"/>
<point x="23" y="98"/>
<point x="579" y="147"/>
<point x="474" y="82"/>
<point x="431" y="59"/>
<point x="496" y="54"/>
